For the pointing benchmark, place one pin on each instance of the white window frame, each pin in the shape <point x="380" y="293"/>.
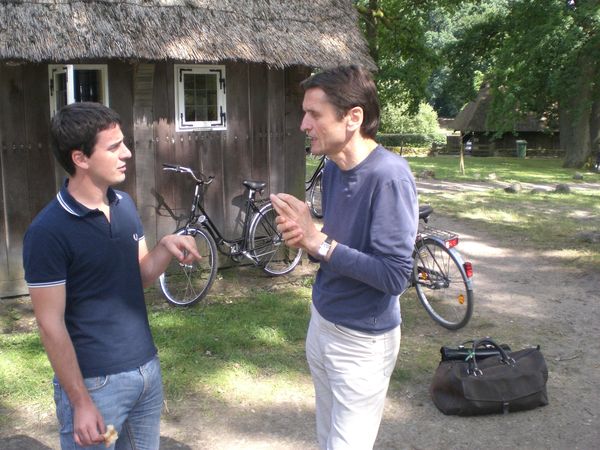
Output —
<point x="69" y="70"/>
<point x="219" y="72"/>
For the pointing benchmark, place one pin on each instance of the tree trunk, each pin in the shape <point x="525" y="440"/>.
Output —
<point x="595" y="131"/>
<point x="575" y="136"/>
<point x="576" y="117"/>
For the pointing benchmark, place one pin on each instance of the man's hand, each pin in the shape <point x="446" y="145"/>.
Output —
<point x="295" y="223"/>
<point x="88" y="424"/>
<point x="152" y="264"/>
<point x="181" y="247"/>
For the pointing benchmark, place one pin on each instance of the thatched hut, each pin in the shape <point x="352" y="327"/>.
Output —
<point x="472" y="122"/>
<point x="211" y="85"/>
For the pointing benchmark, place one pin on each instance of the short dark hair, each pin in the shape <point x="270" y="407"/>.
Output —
<point x="75" y="127"/>
<point x="347" y="87"/>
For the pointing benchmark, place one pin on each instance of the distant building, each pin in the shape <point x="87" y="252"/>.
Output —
<point x="471" y="121"/>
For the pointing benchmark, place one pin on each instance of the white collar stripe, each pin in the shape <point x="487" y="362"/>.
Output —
<point x="65" y="206"/>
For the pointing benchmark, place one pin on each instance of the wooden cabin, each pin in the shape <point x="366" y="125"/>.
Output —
<point x="210" y="85"/>
<point x="481" y="140"/>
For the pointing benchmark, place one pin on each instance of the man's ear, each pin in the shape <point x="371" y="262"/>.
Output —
<point x="355" y="118"/>
<point x="79" y="159"/>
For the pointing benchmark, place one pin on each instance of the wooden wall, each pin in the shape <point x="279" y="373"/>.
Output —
<point x="26" y="164"/>
<point x="262" y="142"/>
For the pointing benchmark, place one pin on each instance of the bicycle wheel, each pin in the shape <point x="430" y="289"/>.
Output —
<point x="187" y="284"/>
<point x="442" y="285"/>
<point x="314" y="197"/>
<point x="267" y="246"/>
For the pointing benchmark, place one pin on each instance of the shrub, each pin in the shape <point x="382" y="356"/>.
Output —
<point x="399" y="129"/>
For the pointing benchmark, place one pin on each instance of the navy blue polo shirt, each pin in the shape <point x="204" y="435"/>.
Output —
<point x="97" y="260"/>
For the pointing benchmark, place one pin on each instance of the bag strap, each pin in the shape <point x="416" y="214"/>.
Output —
<point x="504" y="358"/>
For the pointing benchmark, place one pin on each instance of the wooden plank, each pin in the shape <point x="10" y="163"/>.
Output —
<point x="294" y="142"/>
<point x="40" y="159"/>
<point x="237" y="156"/>
<point x="120" y="88"/>
<point x="276" y="114"/>
<point x="166" y="182"/>
<point x="258" y="117"/>
<point x="16" y="179"/>
<point x="4" y="110"/>
<point x="144" y="150"/>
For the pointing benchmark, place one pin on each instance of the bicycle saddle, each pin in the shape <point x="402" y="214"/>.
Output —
<point x="256" y="185"/>
<point x="425" y="211"/>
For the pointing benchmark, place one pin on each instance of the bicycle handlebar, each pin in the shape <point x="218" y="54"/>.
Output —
<point x="202" y="179"/>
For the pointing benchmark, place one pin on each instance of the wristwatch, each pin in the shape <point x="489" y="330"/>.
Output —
<point x="324" y="248"/>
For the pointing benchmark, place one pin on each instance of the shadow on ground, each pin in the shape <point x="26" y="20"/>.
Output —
<point x="22" y="442"/>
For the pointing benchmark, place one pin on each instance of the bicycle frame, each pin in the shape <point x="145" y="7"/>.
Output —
<point x="237" y="247"/>
<point x="308" y="184"/>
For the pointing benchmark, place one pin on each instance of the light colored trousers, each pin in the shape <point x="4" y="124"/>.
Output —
<point x="351" y="372"/>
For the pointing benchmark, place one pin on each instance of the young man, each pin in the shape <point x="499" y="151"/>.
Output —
<point x="86" y="263"/>
<point x="365" y="253"/>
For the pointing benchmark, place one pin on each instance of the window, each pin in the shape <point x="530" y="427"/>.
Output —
<point x="200" y="102"/>
<point x="77" y="83"/>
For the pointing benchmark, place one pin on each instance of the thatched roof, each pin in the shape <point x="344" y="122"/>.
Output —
<point x="473" y="117"/>
<point x="315" y="33"/>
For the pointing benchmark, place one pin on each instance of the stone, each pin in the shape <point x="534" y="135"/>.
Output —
<point x="562" y="189"/>
<point x="578" y="176"/>
<point x="591" y="237"/>
<point x="514" y="188"/>
<point x="426" y="174"/>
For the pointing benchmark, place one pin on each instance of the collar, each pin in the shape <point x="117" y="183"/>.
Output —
<point x="75" y="208"/>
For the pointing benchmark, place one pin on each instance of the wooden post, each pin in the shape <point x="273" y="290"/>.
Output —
<point x="462" y="155"/>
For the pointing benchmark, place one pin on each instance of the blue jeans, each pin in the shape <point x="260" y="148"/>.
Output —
<point x="131" y="401"/>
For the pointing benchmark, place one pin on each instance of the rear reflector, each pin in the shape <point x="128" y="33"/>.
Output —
<point x="468" y="269"/>
<point x="452" y="242"/>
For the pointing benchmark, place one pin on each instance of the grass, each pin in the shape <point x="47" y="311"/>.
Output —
<point x="232" y="349"/>
<point x="524" y="170"/>
<point x="530" y="220"/>
<point x="250" y="338"/>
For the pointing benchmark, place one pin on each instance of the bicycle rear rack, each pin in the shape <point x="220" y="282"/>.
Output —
<point x="449" y="238"/>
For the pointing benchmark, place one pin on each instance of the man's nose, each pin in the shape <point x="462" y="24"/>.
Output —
<point x="304" y="125"/>
<point x="125" y="152"/>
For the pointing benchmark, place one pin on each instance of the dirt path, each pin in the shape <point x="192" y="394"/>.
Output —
<point x="523" y="298"/>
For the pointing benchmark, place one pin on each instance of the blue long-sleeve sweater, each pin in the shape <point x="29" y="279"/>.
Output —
<point x="371" y="210"/>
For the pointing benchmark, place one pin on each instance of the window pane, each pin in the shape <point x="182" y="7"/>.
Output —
<point x="87" y="85"/>
<point x="212" y="113"/>
<point x="200" y="97"/>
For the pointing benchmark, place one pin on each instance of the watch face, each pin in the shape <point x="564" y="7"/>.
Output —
<point x="324" y="248"/>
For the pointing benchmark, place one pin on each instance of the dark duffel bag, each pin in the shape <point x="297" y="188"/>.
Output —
<point x="511" y="381"/>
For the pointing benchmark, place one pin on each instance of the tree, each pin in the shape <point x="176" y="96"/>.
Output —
<point x="396" y="31"/>
<point x="541" y="57"/>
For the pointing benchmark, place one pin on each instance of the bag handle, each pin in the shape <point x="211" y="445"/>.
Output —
<point x="504" y="358"/>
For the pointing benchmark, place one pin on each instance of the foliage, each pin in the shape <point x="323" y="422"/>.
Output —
<point x="536" y="59"/>
<point x="395" y="119"/>
<point x="396" y="32"/>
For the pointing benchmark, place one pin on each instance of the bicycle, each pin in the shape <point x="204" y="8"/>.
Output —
<point x="442" y="279"/>
<point x="313" y="188"/>
<point x="187" y="284"/>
